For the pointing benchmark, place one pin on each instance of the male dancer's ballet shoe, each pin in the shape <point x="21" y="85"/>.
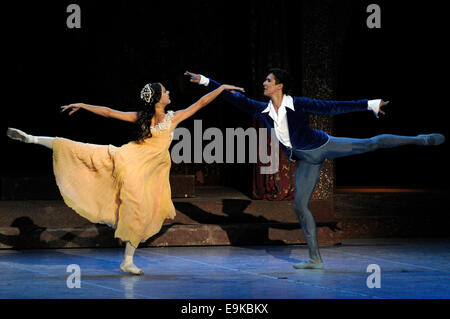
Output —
<point x="433" y="139"/>
<point x="18" y="135"/>
<point x="309" y="264"/>
<point x="131" y="268"/>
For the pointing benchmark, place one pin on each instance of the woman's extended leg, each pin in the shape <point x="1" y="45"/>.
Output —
<point x="16" y="134"/>
<point x="127" y="264"/>
<point x="306" y="178"/>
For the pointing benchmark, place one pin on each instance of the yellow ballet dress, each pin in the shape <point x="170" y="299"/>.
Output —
<point x="124" y="187"/>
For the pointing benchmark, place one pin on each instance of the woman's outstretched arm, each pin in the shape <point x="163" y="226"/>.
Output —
<point x="103" y="111"/>
<point x="202" y="102"/>
<point x="252" y="107"/>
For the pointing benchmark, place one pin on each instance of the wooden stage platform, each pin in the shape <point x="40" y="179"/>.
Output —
<point x="224" y="216"/>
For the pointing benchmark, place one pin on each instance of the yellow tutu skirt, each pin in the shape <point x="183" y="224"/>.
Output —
<point x="124" y="187"/>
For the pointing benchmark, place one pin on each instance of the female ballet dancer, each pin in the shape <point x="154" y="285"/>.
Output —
<point x="288" y="116"/>
<point x="124" y="187"/>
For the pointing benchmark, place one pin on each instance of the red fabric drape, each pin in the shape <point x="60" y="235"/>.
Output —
<point x="278" y="186"/>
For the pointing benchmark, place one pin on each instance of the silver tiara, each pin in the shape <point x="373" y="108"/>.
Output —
<point x="147" y="93"/>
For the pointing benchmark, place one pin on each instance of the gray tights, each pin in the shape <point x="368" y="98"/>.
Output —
<point x="308" y="172"/>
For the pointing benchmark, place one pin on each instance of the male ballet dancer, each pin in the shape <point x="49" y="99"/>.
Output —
<point x="288" y="116"/>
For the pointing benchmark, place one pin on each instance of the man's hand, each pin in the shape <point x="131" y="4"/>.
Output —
<point x="195" y="78"/>
<point x="382" y="103"/>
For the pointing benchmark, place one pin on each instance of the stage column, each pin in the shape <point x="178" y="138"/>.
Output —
<point x="322" y="48"/>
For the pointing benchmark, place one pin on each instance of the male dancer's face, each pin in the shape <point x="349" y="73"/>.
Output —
<point x="270" y="87"/>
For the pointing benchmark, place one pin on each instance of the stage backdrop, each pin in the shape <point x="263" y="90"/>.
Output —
<point x="325" y="44"/>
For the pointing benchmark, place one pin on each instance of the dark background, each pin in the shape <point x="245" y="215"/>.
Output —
<point x="123" y="45"/>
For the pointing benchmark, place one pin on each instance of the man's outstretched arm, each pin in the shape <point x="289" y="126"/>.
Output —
<point x="235" y="98"/>
<point x="339" y="107"/>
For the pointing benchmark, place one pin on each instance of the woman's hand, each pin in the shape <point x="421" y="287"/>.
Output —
<point x="73" y="107"/>
<point x="232" y="88"/>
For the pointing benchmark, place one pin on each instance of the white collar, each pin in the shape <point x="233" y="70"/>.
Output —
<point x="287" y="101"/>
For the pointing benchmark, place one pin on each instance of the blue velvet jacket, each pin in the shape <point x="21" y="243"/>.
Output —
<point x="302" y="136"/>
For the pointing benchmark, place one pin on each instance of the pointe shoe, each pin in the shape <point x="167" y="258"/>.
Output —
<point x="131" y="268"/>
<point x="309" y="264"/>
<point x="18" y="135"/>
<point x="433" y="139"/>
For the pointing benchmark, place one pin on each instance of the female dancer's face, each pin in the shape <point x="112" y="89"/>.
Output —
<point x="165" y="98"/>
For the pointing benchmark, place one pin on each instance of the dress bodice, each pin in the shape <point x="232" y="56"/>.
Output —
<point x="164" y="126"/>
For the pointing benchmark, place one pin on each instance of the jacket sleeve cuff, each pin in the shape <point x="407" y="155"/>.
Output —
<point x="374" y="106"/>
<point x="204" y="80"/>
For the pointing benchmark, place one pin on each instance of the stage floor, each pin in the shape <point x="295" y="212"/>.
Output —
<point x="408" y="269"/>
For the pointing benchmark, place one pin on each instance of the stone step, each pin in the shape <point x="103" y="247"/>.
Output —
<point x="45" y="188"/>
<point x="57" y="214"/>
<point x="213" y="205"/>
<point x="393" y="227"/>
<point x="216" y="216"/>
<point x="224" y="216"/>
<point x="392" y="202"/>
<point x="96" y="235"/>
<point x="170" y="235"/>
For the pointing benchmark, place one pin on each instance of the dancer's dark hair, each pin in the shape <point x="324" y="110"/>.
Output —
<point x="145" y="115"/>
<point x="282" y="77"/>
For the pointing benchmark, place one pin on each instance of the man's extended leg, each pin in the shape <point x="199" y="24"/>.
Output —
<point x="343" y="146"/>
